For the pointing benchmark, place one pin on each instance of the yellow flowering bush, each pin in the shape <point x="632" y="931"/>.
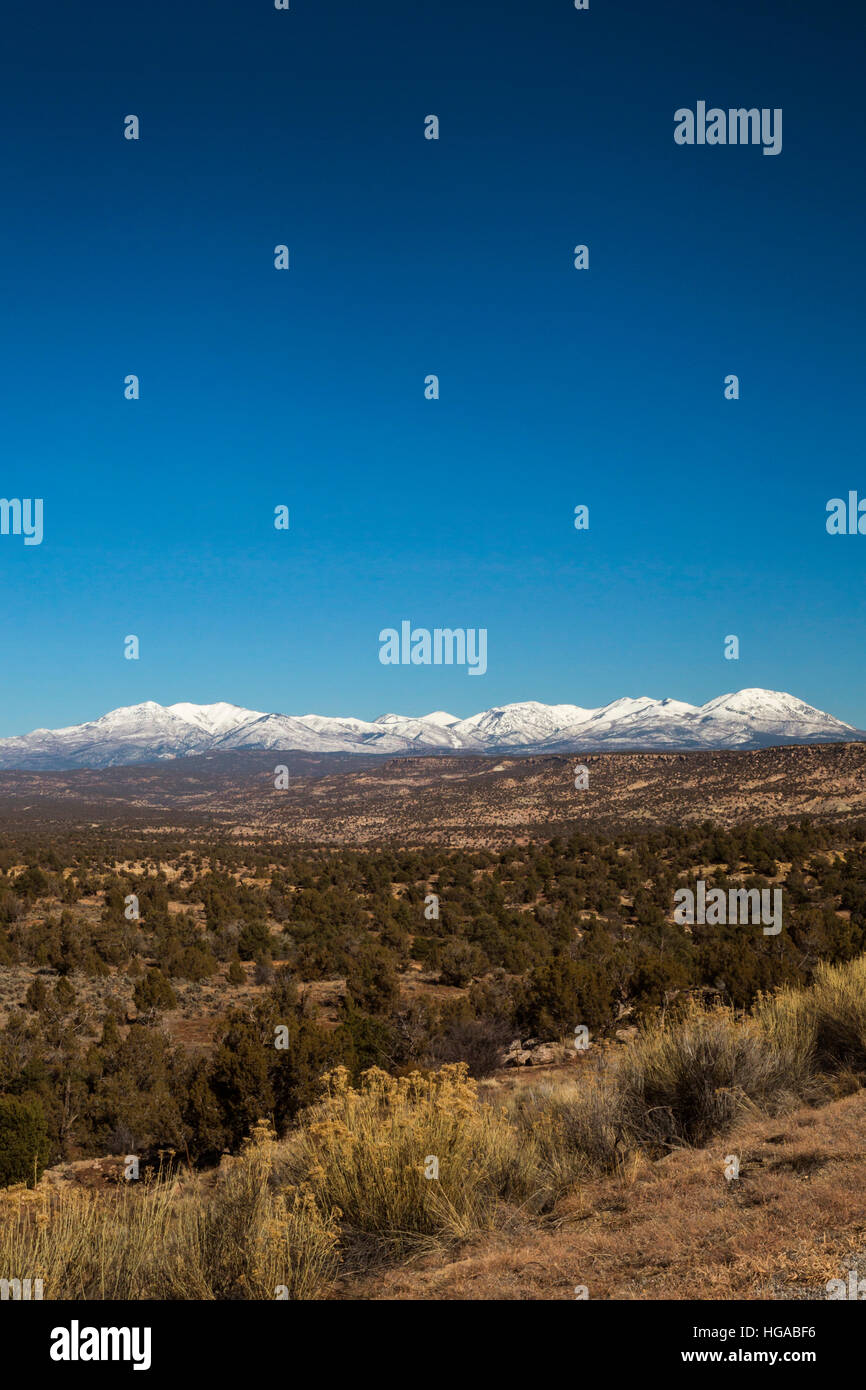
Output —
<point x="410" y="1157"/>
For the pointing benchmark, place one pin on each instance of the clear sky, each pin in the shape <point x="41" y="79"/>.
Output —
<point x="410" y="257"/>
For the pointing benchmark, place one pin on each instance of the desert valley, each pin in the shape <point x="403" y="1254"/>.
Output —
<point x="431" y="1027"/>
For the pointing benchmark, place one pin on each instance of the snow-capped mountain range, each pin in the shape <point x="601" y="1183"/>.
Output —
<point x="150" y="732"/>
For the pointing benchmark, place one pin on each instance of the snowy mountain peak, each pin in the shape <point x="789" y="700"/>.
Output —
<point x="216" y="718"/>
<point x="150" y="732"/>
<point x="758" y="704"/>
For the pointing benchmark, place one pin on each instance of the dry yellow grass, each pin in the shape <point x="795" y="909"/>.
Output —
<point x="613" y="1179"/>
<point x="821" y="1030"/>
<point x="678" y="1229"/>
<point x="235" y="1238"/>
<point x="412" y="1158"/>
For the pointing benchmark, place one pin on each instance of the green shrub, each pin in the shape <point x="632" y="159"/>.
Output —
<point x="23" y="1141"/>
<point x="683" y="1083"/>
<point x="154" y="992"/>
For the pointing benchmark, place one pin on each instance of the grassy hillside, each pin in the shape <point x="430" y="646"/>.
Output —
<point x="615" y="1175"/>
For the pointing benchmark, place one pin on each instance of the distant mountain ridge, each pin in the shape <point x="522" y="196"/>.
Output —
<point x="151" y="732"/>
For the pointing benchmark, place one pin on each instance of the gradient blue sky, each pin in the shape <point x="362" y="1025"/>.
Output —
<point x="411" y="257"/>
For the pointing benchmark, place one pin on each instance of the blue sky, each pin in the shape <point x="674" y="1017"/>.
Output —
<point x="411" y="257"/>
